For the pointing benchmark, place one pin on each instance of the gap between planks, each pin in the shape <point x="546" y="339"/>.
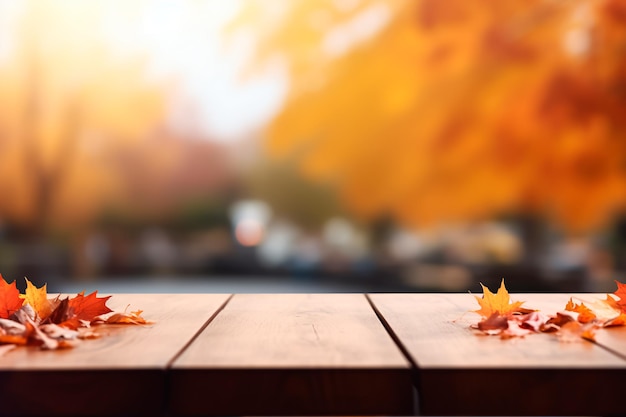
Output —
<point x="169" y="364"/>
<point x="415" y="375"/>
<point x="607" y="348"/>
<point x="391" y="333"/>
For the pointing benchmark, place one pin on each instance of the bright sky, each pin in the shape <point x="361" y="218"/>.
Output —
<point x="184" y="41"/>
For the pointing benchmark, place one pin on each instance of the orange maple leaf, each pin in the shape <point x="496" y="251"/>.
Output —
<point x="10" y="300"/>
<point x="621" y="293"/>
<point x="37" y="298"/>
<point x="585" y="315"/>
<point x="499" y="303"/>
<point x="89" y="307"/>
<point x="134" y="317"/>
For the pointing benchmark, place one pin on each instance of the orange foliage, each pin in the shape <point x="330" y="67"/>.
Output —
<point x="68" y="107"/>
<point x="459" y="110"/>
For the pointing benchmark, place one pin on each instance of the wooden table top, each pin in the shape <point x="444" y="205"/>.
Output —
<point x="317" y="354"/>
<point x="460" y="372"/>
<point x="125" y="370"/>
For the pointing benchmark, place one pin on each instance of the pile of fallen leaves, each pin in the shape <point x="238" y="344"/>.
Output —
<point x="33" y="319"/>
<point x="503" y="317"/>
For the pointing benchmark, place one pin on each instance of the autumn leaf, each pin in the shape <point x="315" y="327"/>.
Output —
<point x="585" y="315"/>
<point x="557" y="322"/>
<point x="573" y="331"/>
<point x="61" y="312"/>
<point x="133" y="317"/>
<point x="494" y="324"/>
<point x="532" y="321"/>
<point x="611" y="302"/>
<point x="499" y="303"/>
<point x="89" y="307"/>
<point x="73" y="323"/>
<point x="57" y="332"/>
<point x="578" y="321"/>
<point x="515" y="329"/>
<point x="621" y="293"/>
<point x="34" y="320"/>
<point x="37" y="298"/>
<point x="11" y="327"/>
<point x="10" y="300"/>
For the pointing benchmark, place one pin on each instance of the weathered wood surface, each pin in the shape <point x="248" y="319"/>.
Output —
<point x="123" y="372"/>
<point x="460" y="372"/>
<point x="295" y="354"/>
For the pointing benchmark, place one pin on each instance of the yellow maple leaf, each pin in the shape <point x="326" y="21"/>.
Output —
<point x="37" y="298"/>
<point x="498" y="303"/>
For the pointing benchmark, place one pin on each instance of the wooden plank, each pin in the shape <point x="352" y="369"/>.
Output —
<point x="296" y="354"/>
<point x="459" y="372"/>
<point x="123" y="372"/>
<point x="613" y="339"/>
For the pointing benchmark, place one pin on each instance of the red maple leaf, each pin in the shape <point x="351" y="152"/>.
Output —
<point x="10" y="300"/>
<point x="621" y="293"/>
<point x="88" y="307"/>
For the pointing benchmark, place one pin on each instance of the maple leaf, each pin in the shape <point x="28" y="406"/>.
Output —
<point x="133" y="317"/>
<point x="10" y="300"/>
<point x="555" y="323"/>
<point x="88" y="307"/>
<point x="499" y="303"/>
<point x="515" y="329"/>
<point x="57" y="332"/>
<point x="585" y="315"/>
<point x="11" y="327"/>
<point x="572" y="332"/>
<point x="494" y="324"/>
<point x="611" y="302"/>
<point x="37" y="298"/>
<point x="60" y="313"/>
<point x="532" y="321"/>
<point x="621" y="293"/>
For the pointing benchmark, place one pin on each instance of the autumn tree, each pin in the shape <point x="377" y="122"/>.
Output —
<point x="66" y="103"/>
<point x="447" y="111"/>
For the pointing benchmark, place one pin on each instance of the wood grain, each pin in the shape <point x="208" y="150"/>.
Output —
<point x="460" y="372"/>
<point x="297" y="354"/>
<point x="123" y="372"/>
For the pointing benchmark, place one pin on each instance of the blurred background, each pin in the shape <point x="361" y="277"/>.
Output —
<point x="329" y="145"/>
